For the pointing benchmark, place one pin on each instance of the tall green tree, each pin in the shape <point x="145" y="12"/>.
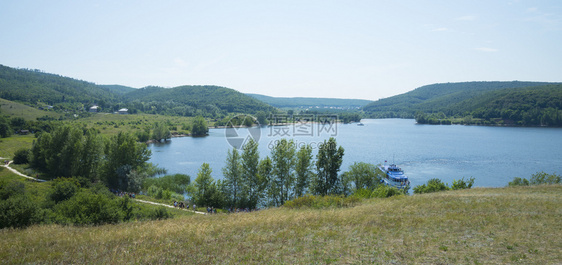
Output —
<point x="303" y="170"/>
<point x="265" y="167"/>
<point x="253" y="181"/>
<point x="232" y="178"/>
<point x="328" y="163"/>
<point x="160" y="132"/>
<point x="123" y="154"/>
<point x="199" y="126"/>
<point x="363" y="176"/>
<point x="91" y="155"/>
<point x="204" y="186"/>
<point x="5" y="129"/>
<point x="282" y="180"/>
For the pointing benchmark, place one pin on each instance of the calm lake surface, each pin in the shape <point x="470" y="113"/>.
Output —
<point x="492" y="155"/>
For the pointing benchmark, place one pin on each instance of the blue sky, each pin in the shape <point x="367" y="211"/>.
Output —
<point x="344" y="49"/>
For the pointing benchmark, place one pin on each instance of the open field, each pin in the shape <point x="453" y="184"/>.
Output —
<point x="14" y="109"/>
<point x="110" y="124"/>
<point x="477" y="226"/>
<point x="13" y="143"/>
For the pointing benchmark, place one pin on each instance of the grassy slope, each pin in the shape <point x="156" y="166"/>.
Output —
<point x="13" y="109"/>
<point x="501" y="225"/>
<point x="13" y="143"/>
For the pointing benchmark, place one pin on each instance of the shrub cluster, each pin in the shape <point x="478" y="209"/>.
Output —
<point x="67" y="203"/>
<point x="539" y="178"/>
<point x="435" y="185"/>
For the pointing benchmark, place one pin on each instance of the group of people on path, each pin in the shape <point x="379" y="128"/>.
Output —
<point x="183" y="205"/>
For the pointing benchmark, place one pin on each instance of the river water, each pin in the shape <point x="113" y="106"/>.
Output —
<point x="492" y="155"/>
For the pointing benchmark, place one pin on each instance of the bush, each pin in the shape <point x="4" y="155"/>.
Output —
<point x="519" y="182"/>
<point x="177" y="183"/>
<point x="63" y="189"/>
<point x="433" y="185"/>
<point x="159" y="193"/>
<point x="363" y="193"/>
<point x="18" y="211"/>
<point x="540" y="178"/>
<point x="87" y="208"/>
<point x="462" y="184"/>
<point x="383" y="191"/>
<point x="21" y="156"/>
<point x="160" y="213"/>
<point x="9" y="189"/>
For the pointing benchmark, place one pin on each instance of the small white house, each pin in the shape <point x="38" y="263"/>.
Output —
<point x="123" y="111"/>
<point x="94" y="109"/>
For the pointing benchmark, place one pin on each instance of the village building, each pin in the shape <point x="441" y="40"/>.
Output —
<point x="94" y="109"/>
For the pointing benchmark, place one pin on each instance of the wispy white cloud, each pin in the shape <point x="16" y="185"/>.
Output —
<point x="440" y="29"/>
<point x="467" y="18"/>
<point x="486" y="49"/>
<point x="179" y="62"/>
<point x="532" y="9"/>
<point x="548" y="21"/>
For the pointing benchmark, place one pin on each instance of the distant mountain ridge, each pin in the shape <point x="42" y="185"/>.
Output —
<point x="438" y="98"/>
<point x="306" y="102"/>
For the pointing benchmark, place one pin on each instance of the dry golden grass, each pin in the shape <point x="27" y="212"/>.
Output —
<point x="478" y="226"/>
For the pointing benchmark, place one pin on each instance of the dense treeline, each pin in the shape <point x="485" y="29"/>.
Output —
<point x="119" y="161"/>
<point x="285" y="174"/>
<point x="437" y="98"/>
<point x="531" y="106"/>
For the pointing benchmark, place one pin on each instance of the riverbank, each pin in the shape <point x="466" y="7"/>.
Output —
<point x="482" y="225"/>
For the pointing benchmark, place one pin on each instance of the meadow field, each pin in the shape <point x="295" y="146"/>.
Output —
<point x="476" y="226"/>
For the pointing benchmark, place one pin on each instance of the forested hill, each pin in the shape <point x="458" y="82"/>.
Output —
<point x="36" y="87"/>
<point x="213" y="99"/>
<point x="528" y="106"/>
<point x="39" y="89"/>
<point x="119" y="89"/>
<point x="304" y="102"/>
<point x="437" y="98"/>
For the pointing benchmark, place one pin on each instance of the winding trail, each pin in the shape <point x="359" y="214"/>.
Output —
<point x="42" y="180"/>
<point x="20" y="174"/>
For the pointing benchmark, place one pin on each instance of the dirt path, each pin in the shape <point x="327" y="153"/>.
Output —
<point x="20" y="174"/>
<point x="165" y="205"/>
<point x="41" y="180"/>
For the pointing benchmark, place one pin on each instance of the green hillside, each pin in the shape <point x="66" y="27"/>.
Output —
<point x="118" y="89"/>
<point x="64" y="94"/>
<point x="304" y="102"/>
<point x="188" y="99"/>
<point x="530" y="106"/>
<point x="436" y="98"/>
<point x="38" y="88"/>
